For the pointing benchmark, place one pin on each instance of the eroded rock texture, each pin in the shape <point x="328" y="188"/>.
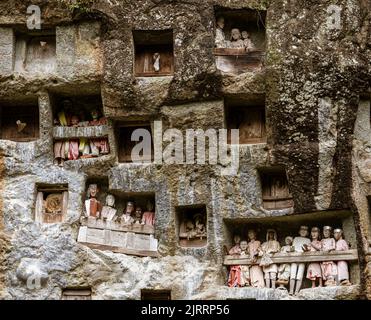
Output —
<point x="316" y="84"/>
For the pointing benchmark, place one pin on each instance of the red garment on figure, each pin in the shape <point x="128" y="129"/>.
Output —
<point x="234" y="279"/>
<point x="95" y="207"/>
<point x="73" y="150"/>
<point x="148" y="218"/>
<point x="102" y="145"/>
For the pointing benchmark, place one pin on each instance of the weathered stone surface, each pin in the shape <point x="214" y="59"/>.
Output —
<point x="316" y="127"/>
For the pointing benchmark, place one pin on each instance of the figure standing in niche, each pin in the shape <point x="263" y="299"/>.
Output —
<point x="234" y="276"/>
<point x="64" y="117"/>
<point x="200" y="228"/>
<point x="245" y="269"/>
<point x="297" y="269"/>
<point x="109" y="211"/>
<point x="329" y="269"/>
<point x="93" y="207"/>
<point x="137" y="215"/>
<point x="156" y="61"/>
<point x="342" y="266"/>
<point x="256" y="273"/>
<point x="314" y="268"/>
<point x="149" y="215"/>
<point x="126" y="218"/>
<point x="248" y="44"/>
<point x="220" y="41"/>
<point x="285" y="268"/>
<point x="96" y="121"/>
<point x="268" y="248"/>
<point x="73" y="149"/>
<point x="236" y="41"/>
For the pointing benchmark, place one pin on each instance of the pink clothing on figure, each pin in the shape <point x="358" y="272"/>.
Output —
<point x="329" y="269"/>
<point x="314" y="269"/>
<point x="234" y="279"/>
<point x="256" y="273"/>
<point x="342" y="266"/>
<point x="148" y="218"/>
<point x="73" y="150"/>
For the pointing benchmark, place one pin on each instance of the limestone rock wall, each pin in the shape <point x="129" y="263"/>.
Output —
<point x="316" y="85"/>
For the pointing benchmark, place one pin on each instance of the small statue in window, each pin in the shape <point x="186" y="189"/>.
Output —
<point x="20" y="125"/>
<point x="285" y="268"/>
<point x="137" y="215"/>
<point x="314" y="268"/>
<point x="236" y="249"/>
<point x="109" y="211"/>
<point x="342" y="266"/>
<point x="248" y="44"/>
<point x="236" y="41"/>
<point x="329" y="268"/>
<point x="93" y="207"/>
<point x="126" y="218"/>
<point x="149" y="215"/>
<point x="297" y="269"/>
<point x="256" y="273"/>
<point x="156" y="61"/>
<point x="268" y="248"/>
<point x="220" y="41"/>
<point x="96" y="120"/>
<point x="245" y="269"/>
<point x="200" y="228"/>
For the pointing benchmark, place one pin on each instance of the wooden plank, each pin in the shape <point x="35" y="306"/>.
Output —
<point x="298" y="257"/>
<point x="132" y="252"/>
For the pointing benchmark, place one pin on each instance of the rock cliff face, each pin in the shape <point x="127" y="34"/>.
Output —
<point x="316" y="86"/>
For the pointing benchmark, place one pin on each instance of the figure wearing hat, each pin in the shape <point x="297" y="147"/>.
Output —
<point x="297" y="269"/>
<point x="329" y="268"/>
<point x="342" y="266"/>
<point x="93" y="206"/>
<point x="314" y="271"/>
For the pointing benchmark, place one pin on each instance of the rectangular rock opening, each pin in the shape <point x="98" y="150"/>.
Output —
<point x="51" y="203"/>
<point x="288" y="226"/>
<point x="191" y="222"/>
<point x="275" y="189"/>
<point x="76" y="294"/>
<point x="150" y="294"/>
<point x="154" y="53"/>
<point x="35" y="51"/>
<point x="19" y="120"/>
<point x="124" y="132"/>
<point x="248" y="116"/>
<point x="239" y="39"/>
<point x="118" y="221"/>
<point x="77" y="110"/>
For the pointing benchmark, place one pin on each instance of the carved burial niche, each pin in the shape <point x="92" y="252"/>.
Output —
<point x="154" y="53"/>
<point x="150" y="294"/>
<point x="192" y="225"/>
<point x="51" y="203"/>
<point x="239" y="39"/>
<point x="19" y="121"/>
<point x="35" y="51"/>
<point x="249" y="117"/>
<point x="275" y="189"/>
<point x="289" y="226"/>
<point x="124" y="134"/>
<point x="76" y="294"/>
<point x="74" y="110"/>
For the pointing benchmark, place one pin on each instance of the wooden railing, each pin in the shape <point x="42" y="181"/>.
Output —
<point x="295" y="257"/>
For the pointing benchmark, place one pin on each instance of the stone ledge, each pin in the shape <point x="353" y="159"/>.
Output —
<point x="298" y="257"/>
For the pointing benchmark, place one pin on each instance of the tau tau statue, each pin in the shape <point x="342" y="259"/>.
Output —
<point x="285" y="268"/>
<point x="138" y="215"/>
<point x="109" y="211"/>
<point x="297" y="269"/>
<point x="314" y="271"/>
<point x="156" y="61"/>
<point x="342" y="266"/>
<point x="268" y="248"/>
<point x="148" y="217"/>
<point x="93" y="207"/>
<point x="126" y="218"/>
<point x="329" y="268"/>
<point x="220" y="41"/>
<point x="256" y="273"/>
